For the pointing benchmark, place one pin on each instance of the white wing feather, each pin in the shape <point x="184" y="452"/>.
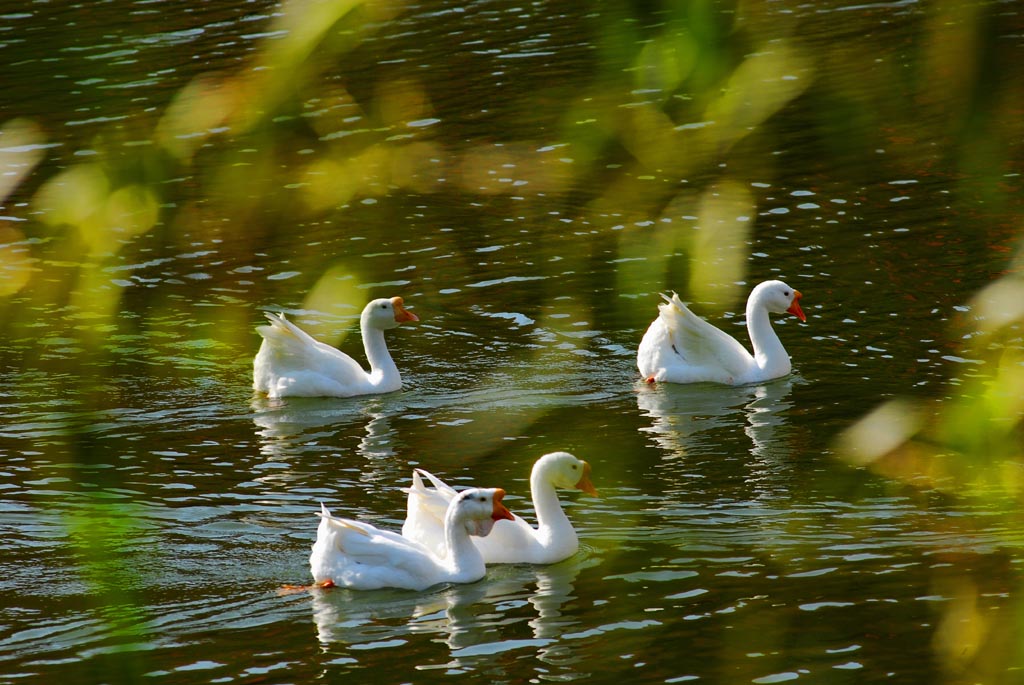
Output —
<point x="359" y="554"/>
<point x="424" y="522"/>
<point x="425" y="511"/>
<point x="288" y="354"/>
<point x="700" y="343"/>
<point x="680" y="346"/>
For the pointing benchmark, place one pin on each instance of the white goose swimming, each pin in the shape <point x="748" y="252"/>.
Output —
<point x="514" y="541"/>
<point x="681" y="347"/>
<point x="360" y="556"/>
<point x="291" y="363"/>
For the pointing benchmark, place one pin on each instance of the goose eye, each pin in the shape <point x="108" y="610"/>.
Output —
<point x="786" y="293"/>
<point x="385" y="305"/>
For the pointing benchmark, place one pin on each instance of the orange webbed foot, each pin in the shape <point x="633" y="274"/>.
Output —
<point x="288" y="589"/>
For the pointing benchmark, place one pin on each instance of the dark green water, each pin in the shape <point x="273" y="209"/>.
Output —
<point x="528" y="178"/>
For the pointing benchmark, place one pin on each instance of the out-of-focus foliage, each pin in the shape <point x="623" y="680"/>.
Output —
<point x="970" y="445"/>
<point x="971" y="448"/>
<point x="21" y="152"/>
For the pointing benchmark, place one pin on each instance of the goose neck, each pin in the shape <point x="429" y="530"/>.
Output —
<point x="377" y="354"/>
<point x="768" y="349"/>
<point x="462" y="554"/>
<point x="545" y="502"/>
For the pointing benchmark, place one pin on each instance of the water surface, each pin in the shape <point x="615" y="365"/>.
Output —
<point x="154" y="506"/>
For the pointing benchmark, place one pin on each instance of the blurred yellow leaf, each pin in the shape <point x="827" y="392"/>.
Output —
<point x="131" y="210"/>
<point x="718" y="255"/>
<point x="195" y="113"/>
<point x="21" y="150"/>
<point x="963" y="629"/>
<point x="880" y="432"/>
<point x="336" y="293"/>
<point x="762" y="85"/>
<point x="15" y="261"/>
<point x="73" y="196"/>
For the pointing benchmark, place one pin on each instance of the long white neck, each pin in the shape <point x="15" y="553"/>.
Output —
<point x="464" y="559"/>
<point x="552" y="522"/>
<point x="383" y="370"/>
<point x="770" y="355"/>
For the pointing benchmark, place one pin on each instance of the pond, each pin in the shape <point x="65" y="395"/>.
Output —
<point x="528" y="177"/>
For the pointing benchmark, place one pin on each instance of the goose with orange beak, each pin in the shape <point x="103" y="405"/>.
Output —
<point x="514" y="541"/>
<point x="681" y="347"/>
<point x="361" y="556"/>
<point x="291" y="363"/>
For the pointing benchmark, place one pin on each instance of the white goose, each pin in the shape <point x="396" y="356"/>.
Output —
<point x="291" y="363"/>
<point x="514" y="541"/>
<point x="681" y="347"/>
<point x="360" y="556"/>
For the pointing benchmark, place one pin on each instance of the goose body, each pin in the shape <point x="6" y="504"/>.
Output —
<point x="512" y="541"/>
<point x="291" y="363"/>
<point x="361" y="556"/>
<point x="681" y="347"/>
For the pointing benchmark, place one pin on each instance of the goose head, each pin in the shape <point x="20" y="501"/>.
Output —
<point x="779" y="298"/>
<point x="478" y="509"/>
<point x="564" y="470"/>
<point x="386" y="313"/>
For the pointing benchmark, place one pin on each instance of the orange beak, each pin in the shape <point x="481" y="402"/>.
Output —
<point x="499" y="511"/>
<point x="401" y="313"/>
<point x="584" y="483"/>
<point x="794" y="308"/>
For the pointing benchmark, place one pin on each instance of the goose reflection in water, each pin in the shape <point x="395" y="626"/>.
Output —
<point x="297" y="427"/>
<point x="684" y="417"/>
<point x="281" y="419"/>
<point x="475" y="621"/>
